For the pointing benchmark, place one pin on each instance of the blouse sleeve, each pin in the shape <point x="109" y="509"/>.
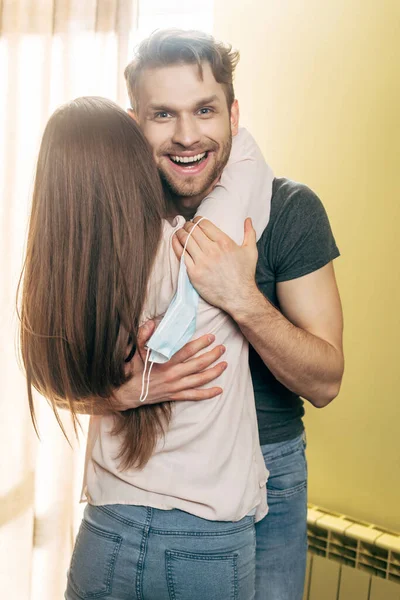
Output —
<point x="244" y="190"/>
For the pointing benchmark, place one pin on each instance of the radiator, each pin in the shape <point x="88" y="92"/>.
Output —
<point x="350" y="560"/>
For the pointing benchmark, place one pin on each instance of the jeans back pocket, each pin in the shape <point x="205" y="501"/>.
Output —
<point x="93" y="561"/>
<point x="200" y="576"/>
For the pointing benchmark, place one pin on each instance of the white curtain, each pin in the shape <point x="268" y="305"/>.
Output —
<point x="50" y="51"/>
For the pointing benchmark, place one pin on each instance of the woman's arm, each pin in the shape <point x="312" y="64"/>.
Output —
<point x="244" y="190"/>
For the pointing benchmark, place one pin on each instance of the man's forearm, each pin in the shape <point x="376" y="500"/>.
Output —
<point x="302" y="362"/>
<point x="97" y="406"/>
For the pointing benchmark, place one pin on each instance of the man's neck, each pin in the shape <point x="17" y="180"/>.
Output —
<point x="185" y="205"/>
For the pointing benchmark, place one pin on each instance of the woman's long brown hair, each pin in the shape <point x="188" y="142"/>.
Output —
<point x="94" y="229"/>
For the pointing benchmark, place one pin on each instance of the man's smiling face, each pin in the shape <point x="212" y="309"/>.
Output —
<point x="188" y="123"/>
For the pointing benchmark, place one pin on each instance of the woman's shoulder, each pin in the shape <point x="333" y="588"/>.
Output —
<point x="164" y="275"/>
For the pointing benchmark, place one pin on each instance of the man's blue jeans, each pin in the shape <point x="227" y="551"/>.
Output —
<point x="281" y="550"/>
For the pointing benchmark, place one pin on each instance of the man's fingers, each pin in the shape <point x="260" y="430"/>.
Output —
<point x="197" y="394"/>
<point x="199" y="363"/>
<point x="199" y="379"/>
<point x="202" y="240"/>
<point x="189" y="262"/>
<point x="211" y="231"/>
<point x="250" y="236"/>
<point x="192" y="247"/>
<point x="145" y="332"/>
<point x="181" y="235"/>
<point x="177" y="247"/>
<point x="191" y="348"/>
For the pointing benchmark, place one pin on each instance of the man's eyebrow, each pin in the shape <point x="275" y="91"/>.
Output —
<point x="210" y="100"/>
<point x="160" y="107"/>
<point x="164" y="107"/>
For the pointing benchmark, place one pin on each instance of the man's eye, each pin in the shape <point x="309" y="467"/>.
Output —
<point x="162" y="115"/>
<point x="205" y="111"/>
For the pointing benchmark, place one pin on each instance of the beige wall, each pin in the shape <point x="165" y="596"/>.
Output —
<point x="318" y="84"/>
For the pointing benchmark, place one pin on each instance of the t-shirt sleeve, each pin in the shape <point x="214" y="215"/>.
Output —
<point x="244" y="190"/>
<point x="303" y="240"/>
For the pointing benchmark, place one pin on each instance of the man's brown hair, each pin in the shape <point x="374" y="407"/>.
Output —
<point x="167" y="47"/>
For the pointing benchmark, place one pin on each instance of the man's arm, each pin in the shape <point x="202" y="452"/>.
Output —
<point x="302" y="346"/>
<point x="178" y="379"/>
<point x="95" y="406"/>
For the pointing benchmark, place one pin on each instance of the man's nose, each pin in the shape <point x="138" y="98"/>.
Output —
<point x="186" y="132"/>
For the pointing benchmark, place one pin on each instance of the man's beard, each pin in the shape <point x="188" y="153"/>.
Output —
<point x="189" y="187"/>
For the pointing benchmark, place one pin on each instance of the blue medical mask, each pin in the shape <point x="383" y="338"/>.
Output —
<point x="179" y="322"/>
<point x="178" y="325"/>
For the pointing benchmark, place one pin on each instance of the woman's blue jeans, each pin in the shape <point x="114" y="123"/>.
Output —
<point x="132" y="552"/>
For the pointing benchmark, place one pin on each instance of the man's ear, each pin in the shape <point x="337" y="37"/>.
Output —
<point x="235" y="117"/>
<point x="132" y="114"/>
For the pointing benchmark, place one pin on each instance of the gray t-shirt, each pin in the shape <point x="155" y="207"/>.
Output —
<point x="297" y="240"/>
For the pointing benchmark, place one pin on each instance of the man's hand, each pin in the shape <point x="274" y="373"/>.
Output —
<point x="178" y="379"/>
<point x="302" y="345"/>
<point x="221" y="271"/>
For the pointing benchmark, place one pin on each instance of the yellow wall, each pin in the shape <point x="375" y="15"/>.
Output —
<point x="318" y="84"/>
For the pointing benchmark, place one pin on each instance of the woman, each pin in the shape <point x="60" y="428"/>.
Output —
<point x="173" y="491"/>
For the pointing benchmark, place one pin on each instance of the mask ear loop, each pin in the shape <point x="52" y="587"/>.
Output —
<point x="143" y="398"/>
<point x="190" y="233"/>
<point x="148" y="383"/>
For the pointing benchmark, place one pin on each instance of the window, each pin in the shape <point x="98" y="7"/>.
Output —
<point x="182" y="14"/>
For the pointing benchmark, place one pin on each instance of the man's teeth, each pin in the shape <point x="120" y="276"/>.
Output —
<point x="188" y="159"/>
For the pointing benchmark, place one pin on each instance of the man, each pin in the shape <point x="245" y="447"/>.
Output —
<point x="180" y="86"/>
<point x="291" y="314"/>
